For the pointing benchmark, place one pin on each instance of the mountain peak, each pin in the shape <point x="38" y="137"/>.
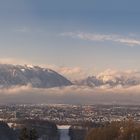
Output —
<point x="38" y="77"/>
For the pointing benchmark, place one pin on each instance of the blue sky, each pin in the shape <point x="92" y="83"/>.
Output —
<point x="90" y="34"/>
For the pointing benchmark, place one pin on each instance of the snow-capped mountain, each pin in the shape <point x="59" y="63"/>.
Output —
<point x="17" y="75"/>
<point x="111" y="79"/>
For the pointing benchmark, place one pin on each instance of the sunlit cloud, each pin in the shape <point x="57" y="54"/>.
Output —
<point x="126" y="40"/>
<point x="72" y="73"/>
<point x="112" y="79"/>
<point x="14" y="61"/>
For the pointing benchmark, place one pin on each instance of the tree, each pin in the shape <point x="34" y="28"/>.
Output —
<point x="24" y="134"/>
<point x="126" y="130"/>
<point x="33" y="134"/>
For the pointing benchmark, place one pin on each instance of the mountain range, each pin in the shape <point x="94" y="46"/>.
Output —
<point x="18" y="75"/>
<point x="109" y="80"/>
<point x="38" y="77"/>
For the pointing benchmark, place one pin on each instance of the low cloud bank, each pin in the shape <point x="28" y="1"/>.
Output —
<point x="71" y="95"/>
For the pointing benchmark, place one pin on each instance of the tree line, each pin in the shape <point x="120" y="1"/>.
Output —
<point x="125" y="130"/>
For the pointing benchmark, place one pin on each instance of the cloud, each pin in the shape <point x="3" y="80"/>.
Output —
<point x="14" y="61"/>
<point x="6" y="60"/>
<point x="112" y="78"/>
<point x="110" y="74"/>
<point x="104" y="37"/>
<point x="71" y="95"/>
<point x="70" y="70"/>
<point x="116" y="73"/>
<point x="72" y="73"/>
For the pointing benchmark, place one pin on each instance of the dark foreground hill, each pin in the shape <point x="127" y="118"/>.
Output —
<point x="6" y="133"/>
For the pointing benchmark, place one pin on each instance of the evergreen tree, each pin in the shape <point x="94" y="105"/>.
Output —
<point x="33" y="134"/>
<point x="24" y="134"/>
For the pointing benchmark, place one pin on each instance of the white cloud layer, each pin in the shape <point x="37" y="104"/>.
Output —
<point x="71" y="95"/>
<point x="104" y="37"/>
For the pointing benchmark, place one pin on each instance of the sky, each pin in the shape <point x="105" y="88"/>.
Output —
<point x="76" y="38"/>
<point x="86" y="35"/>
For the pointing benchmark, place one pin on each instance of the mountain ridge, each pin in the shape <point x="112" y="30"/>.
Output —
<point x="36" y="76"/>
<point x="110" y="80"/>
